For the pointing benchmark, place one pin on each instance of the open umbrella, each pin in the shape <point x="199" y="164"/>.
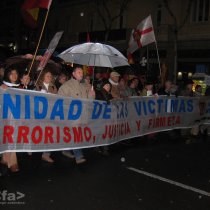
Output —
<point x="22" y="63"/>
<point x="94" y="54"/>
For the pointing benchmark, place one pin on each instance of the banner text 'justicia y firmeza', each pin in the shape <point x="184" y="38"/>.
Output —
<point x="34" y="121"/>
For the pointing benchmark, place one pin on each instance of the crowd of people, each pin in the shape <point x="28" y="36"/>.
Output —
<point x="78" y="85"/>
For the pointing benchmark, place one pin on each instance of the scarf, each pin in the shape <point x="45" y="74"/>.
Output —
<point x="10" y="84"/>
<point x="112" y="82"/>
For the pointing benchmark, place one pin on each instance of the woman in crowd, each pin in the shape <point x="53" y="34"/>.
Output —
<point x="10" y="80"/>
<point x="25" y="82"/>
<point x="122" y="88"/>
<point x="60" y="80"/>
<point x="46" y="85"/>
<point x="104" y="94"/>
<point x="87" y="82"/>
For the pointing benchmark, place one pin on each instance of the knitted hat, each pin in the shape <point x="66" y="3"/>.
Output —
<point x="114" y="74"/>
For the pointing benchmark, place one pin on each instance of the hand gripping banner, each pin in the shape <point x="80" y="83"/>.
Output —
<point x="34" y="121"/>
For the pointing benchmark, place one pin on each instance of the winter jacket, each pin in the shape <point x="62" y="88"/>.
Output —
<point x="74" y="88"/>
<point x="51" y="89"/>
<point x="103" y="95"/>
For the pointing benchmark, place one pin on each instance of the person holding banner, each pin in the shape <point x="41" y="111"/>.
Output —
<point x="169" y="89"/>
<point x="187" y="92"/>
<point x="10" y="80"/>
<point x="104" y="95"/>
<point x="97" y="80"/>
<point x="60" y="80"/>
<point x="87" y="82"/>
<point x="45" y="85"/>
<point x="122" y="88"/>
<point x="25" y="82"/>
<point x="77" y="89"/>
<point x="166" y="90"/>
<point x="131" y="88"/>
<point x="148" y="89"/>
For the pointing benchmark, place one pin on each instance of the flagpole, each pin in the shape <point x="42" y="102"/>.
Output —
<point x="158" y="57"/>
<point x="147" y="58"/>
<point x="40" y="37"/>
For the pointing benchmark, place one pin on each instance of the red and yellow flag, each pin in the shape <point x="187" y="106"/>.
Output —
<point x="130" y="58"/>
<point x="30" y="10"/>
<point x="88" y="70"/>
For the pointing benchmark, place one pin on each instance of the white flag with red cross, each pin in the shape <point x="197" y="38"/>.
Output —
<point x="142" y="35"/>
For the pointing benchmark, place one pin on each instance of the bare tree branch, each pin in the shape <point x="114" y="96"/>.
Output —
<point x="103" y="3"/>
<point x="106" y="9"/>
<point x="123" y="7"/>
<point x="165" y="2"/>
<point x="105" y="13"/>
<point x="178" y="27"/>
<point x="190" y="2"/>
<point x="97" y="3"/>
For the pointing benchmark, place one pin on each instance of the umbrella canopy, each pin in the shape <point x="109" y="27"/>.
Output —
<point x="94" y="54"/>
<point x="23" y="62"/>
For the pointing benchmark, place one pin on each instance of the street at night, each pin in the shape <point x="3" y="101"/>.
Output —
<point x="112" y="182"/>
<point x="105" y="105"/>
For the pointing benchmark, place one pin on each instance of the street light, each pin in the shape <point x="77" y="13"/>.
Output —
<point x="179" y="75"/>
<point x="189" y="75"/>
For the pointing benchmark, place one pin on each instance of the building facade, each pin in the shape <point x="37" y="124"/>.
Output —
<point x="182" y="29"/>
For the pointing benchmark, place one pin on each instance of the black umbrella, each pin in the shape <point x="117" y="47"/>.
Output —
<point x="22" y="64"/>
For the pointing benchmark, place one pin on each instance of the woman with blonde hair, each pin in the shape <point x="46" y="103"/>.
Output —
<point x="45" y="84"/>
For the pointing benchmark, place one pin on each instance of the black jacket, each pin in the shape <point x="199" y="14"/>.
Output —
<point x="103" y="95"/>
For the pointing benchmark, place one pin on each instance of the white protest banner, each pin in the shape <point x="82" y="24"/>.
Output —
<point x="50" y="50"/>
<point x="207" y="80"/>
<point x="34" y="121"/>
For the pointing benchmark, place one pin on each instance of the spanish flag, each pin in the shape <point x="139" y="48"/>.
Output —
<point x="130" y="58"/>
<point x="88" y="70"/>
<point x="30" y="10"/>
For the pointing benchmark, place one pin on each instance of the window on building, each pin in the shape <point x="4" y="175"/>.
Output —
<point x="159" y="15"/>
<point x="200" y="11"/>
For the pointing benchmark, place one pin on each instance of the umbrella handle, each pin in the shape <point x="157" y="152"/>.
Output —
<point x="93" y="76"/>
